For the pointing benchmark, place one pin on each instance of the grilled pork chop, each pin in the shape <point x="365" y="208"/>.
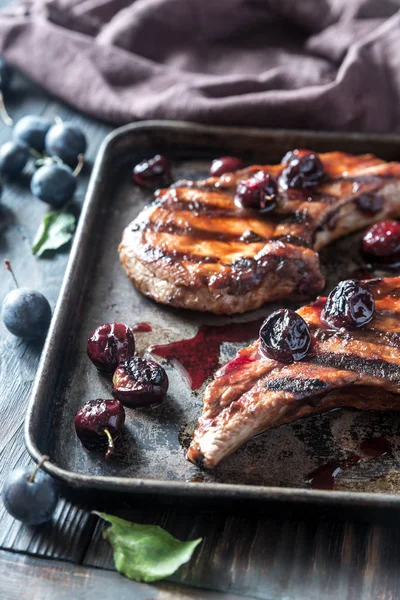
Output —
<point x="194" y="248"/>
<point x="357" y="368"/>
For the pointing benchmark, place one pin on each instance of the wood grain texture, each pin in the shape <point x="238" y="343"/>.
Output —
<point x="55" y="580"/>
<point x="266" y="558"/>
<point x="20" y="216"/>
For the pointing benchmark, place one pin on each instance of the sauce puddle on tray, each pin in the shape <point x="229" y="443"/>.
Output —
<point x="323" y="477"/>
<point x="199" y="355"/>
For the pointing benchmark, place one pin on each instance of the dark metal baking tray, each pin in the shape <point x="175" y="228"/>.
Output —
<point x="151" y="462"/>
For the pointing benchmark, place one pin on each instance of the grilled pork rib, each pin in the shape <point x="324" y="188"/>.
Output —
<point x="194" y="248"/>
<point x="357" y="368"/>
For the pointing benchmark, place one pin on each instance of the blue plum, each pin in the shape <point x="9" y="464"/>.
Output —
<point x="26" y="314"/>
<point x="67" y="141"/>
<point x="13" y="158"/>
<point x="54" y="184"/>
<point x="31" y="501"/>
<point x="31" y="131"/>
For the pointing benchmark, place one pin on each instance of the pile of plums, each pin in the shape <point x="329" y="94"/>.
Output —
<point x="59" y="146"/>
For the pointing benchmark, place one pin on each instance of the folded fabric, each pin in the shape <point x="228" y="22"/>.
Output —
<point x="320" y="64"/>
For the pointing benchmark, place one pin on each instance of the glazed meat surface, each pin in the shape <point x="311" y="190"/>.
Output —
<point x="357" y="368"/>
<point x="194" y="248"/>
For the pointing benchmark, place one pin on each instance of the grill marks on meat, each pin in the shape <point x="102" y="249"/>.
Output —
<point x="358" y="368"/>
<point x="194" y="248"/>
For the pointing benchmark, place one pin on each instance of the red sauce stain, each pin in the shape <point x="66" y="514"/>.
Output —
<point x="323" y="478"/>
<point x="141" y="327"/>
<point x="377" y="446"/>
<point x="199" y="356"/>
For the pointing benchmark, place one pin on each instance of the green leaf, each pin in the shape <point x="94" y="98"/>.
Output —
<point x="145" y="552"/>
<point x="56" y="229"/>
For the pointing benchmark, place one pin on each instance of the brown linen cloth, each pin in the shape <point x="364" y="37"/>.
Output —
<point x="321" y="64"/>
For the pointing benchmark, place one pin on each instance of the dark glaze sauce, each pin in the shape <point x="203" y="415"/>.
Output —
<point x="198" y="478"/>
<point x="323" y="478"/>
<point x="141" y="327"/>
<point x="319" y="304"/>
<point x="293" y="225"/>
<point x="386" y="263"/>
<point x="377" y="446"/>
<point x="199" y="356"/>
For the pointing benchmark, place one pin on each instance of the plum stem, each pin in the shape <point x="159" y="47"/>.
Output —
<point x="5" y="117"/>
<point x="9" y="268"/>
<point x="48" y="160"/>
<point x="111" y="447"/>
<point x="35" y="153"/>
<point x="58" y="120"/>
<point x="79" y="166"/>
<point x="31" y="477"/>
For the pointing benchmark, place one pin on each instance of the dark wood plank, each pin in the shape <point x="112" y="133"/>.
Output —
<point x="20" y="215"/>
<point x="50" y="580"/>
<point x="267" y="558"/>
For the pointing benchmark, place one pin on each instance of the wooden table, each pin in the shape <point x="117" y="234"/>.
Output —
<point x="255" y="555"/>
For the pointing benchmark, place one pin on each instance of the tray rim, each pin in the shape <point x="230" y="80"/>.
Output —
<point x="174" y="488"/>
